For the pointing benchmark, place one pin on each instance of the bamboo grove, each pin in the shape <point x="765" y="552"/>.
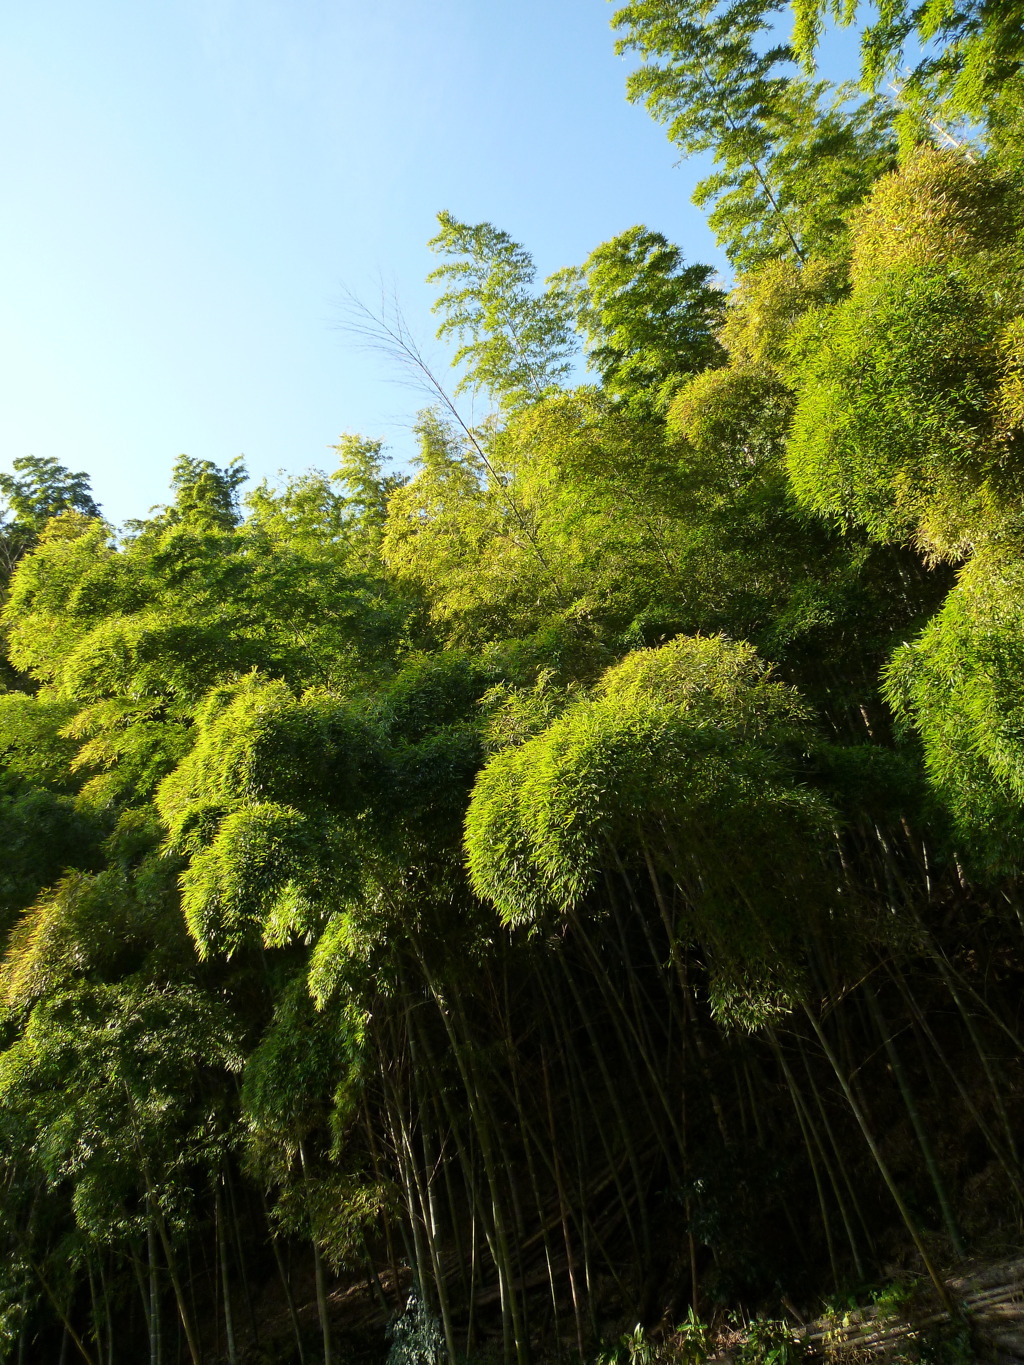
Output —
<point x="579" y="881"/>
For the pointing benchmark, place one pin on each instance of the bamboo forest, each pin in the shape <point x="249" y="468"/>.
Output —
<point x="558" y="899"/>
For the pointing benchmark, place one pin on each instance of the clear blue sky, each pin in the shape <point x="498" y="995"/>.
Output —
<point x="190" y="185"/>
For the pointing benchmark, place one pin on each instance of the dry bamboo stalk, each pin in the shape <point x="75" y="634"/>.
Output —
<point x="979" y="1294"/>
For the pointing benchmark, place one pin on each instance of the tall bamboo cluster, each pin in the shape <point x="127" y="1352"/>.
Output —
<point x="577" y="883"/>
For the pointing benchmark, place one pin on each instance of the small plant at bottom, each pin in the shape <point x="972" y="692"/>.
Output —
<point x="631" y="1349"/>
<point x="639" y="1351"/>
<point x="896" y="1299"/>
<point x="694" y="1343"/>
<point x="415" y="1336"/>
<point x="690" y="1344"/>
<point x="770" y="1341"/>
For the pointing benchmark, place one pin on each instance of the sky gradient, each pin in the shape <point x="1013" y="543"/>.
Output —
<point x="191" y="187"/>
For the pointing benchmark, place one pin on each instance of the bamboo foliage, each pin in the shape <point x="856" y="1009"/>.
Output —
<point x="578" y="884"/>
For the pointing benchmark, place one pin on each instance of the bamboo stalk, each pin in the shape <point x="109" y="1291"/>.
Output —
<point x="880" y="1162"/>
<point x="318" y="1268"/>
<point x="938" y="1183"/>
